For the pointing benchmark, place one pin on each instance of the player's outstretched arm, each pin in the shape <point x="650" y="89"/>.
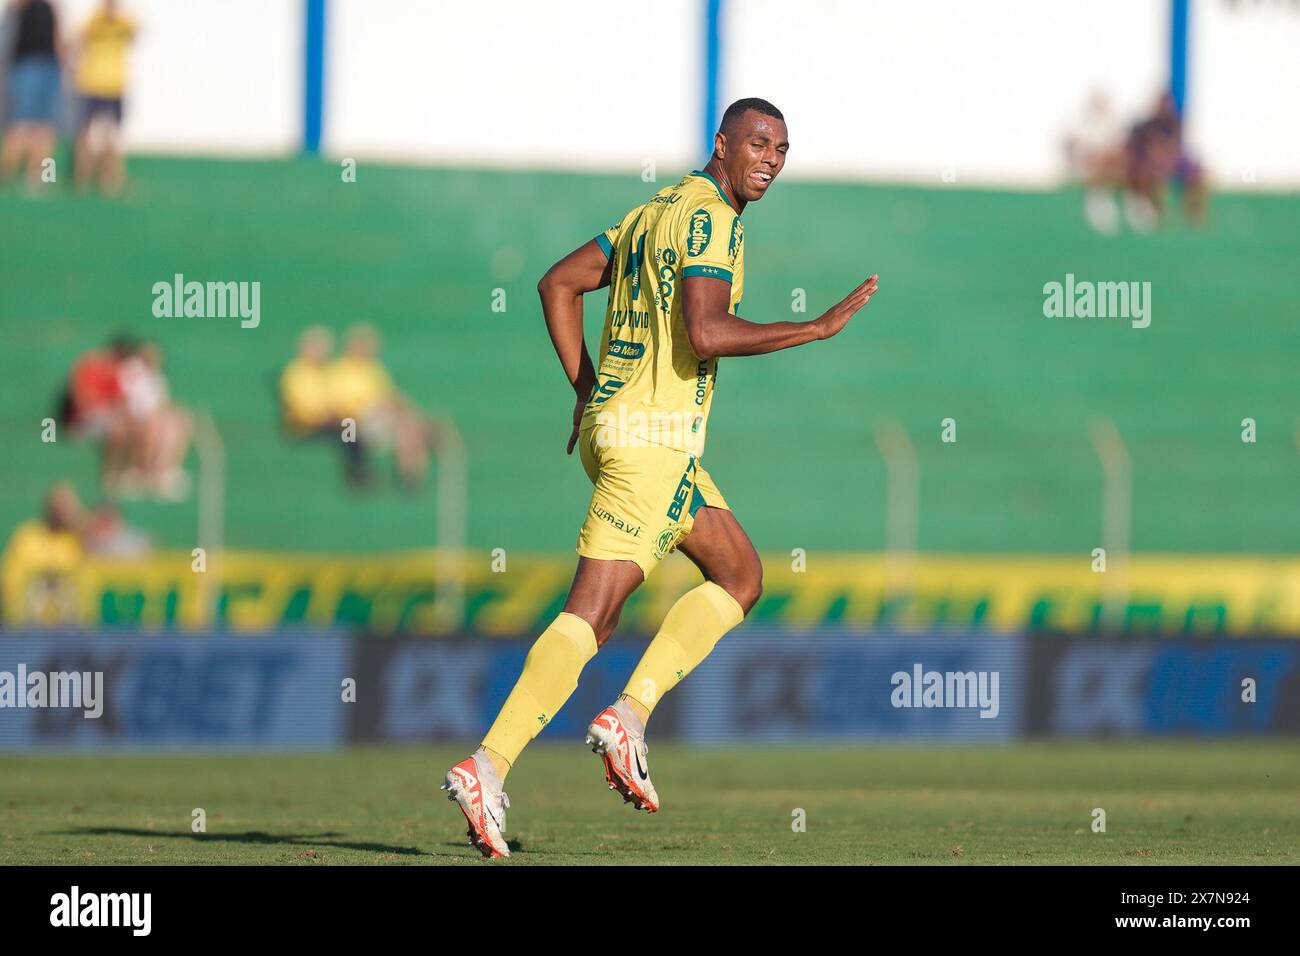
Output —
<point x="714" y="331"/>
<point x="583" y="270"/>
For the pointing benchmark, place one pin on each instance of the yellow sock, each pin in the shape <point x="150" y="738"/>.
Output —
<point x="550" y="675"/>
<point x="693" y="626"/>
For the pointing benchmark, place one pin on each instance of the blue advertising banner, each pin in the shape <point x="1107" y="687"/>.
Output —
<point x="107" y="691"/>
<point x="416" y="690"/>
<point x="1162" y="686"/>
<point x="763" y="684"/>
<point x="760" y="685"/>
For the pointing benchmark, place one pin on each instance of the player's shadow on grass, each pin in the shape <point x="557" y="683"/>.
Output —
<point x="252" y="836"/>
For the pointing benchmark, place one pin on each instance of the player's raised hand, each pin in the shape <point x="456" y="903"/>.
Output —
<point x="837" y="316"/>
<point x="577" y="424"/>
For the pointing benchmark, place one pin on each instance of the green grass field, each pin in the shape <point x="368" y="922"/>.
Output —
<point x="1170" y="803"/>
<point x="957" y="331"/>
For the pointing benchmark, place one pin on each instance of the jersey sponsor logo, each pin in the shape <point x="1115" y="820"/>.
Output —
<point x="737" y="237"/>
<point x="619" y="348"/>
<point x="700" y="233"/>
<point x="617" y="522"/>
<point x="667" y="275"/>
<point x="632" y="317"/>
<point x="701" y="383"/>
<point x="668" y="199"/>
<point x="605" y="391"/>
<point x="683" y="493"/>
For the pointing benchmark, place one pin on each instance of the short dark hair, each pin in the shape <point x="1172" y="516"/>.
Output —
<point x="123" y="343"/>
<point x="738" y="109"/>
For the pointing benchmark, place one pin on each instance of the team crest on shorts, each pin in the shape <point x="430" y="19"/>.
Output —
<point x="666" y="543"/>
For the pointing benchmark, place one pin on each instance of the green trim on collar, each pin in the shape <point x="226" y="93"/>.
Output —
<point x="700" y="172"/>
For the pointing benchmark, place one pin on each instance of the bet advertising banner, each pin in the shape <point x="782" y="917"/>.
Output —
<point x="73" y="691"/>
<point x="762" y="685"/>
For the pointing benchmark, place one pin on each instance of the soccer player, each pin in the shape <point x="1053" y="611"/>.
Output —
<point x="675" y="271"/>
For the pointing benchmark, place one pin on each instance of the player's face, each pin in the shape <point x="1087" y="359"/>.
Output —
<point x="755" y="154"/>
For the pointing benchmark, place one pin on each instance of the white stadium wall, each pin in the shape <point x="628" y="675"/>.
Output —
<point x="514" y="82"/>
<point x="909" y="91"/>
<point x="210" y="77"/>
<point x="881" y="90"/>
<point x="1244" y="91"/>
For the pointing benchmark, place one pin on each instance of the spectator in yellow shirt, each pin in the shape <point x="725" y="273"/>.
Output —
<point x="41" y="562"/>
<point x="360" y="386"/>
<point x="307" y="402"/>
<point x="363" y="390"/>
<point x="102" y="49"/>
<point x="304" y="385"/>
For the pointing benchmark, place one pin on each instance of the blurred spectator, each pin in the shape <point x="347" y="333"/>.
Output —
<point x="1095" y="157"/>
<point x="362" y="389"/>
<point x="304" y="384"/>
<point x="41" y="561"/>
<point x="104" y="532"/>
<point x="306" y="403"/>
<point x="101" y="54"/>
<point x="1142" y="164"/>
<point x="1158" y="157"/>
<point x="40" y="564"/>
<point x="119" y="396"/>
<point x="93" y="407"/>
<point x="33" y="85"/>
<point x="159" y="431"/>
<point x="318" y="397"/>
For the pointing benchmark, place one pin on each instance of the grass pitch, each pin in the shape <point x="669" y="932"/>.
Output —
<point x="1169" y="803"/>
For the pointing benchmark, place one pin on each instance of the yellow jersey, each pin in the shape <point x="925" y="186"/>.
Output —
<point x="101" y="69"/>
<point x="305" y="396"/>
<point x="359" y="386"/>
<point x="651" y="388"/>
<point x="39" y="575"/>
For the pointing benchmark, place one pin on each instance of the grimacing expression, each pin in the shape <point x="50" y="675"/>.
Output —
<point x="754" y="153"/>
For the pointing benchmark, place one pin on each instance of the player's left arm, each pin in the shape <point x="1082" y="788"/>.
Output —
<point x="713" y="241"/>
<point x="714" y="330"/>
<point x="583" y="270"/>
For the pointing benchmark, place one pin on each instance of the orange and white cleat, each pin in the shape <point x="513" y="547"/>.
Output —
<point x="618" y="738"/>
<point x="474" y="786"/>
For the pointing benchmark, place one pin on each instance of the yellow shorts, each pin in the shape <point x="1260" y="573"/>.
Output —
<point x="645" y="501"/>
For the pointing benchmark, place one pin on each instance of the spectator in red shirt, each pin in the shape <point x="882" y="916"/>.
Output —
<point x="94" y="407"/>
